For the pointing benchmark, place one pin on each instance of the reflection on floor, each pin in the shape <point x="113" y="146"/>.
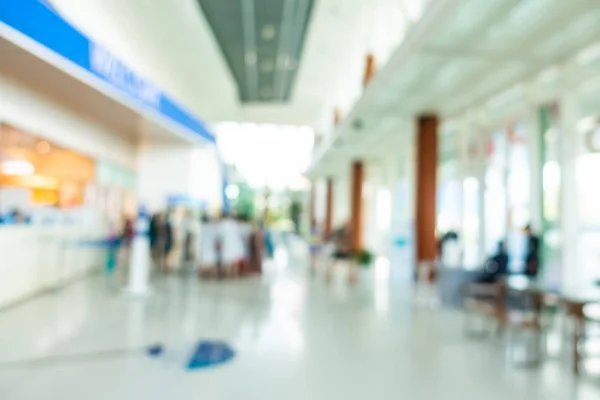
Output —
<point x="295" y="338"/>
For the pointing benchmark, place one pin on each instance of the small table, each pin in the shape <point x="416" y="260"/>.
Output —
<point x="579" y="304"/>
<point x="534" y="292"/>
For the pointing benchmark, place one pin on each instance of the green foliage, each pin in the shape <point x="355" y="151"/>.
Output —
<point x="364" y="258"/>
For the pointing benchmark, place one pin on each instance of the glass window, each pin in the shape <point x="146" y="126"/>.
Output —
<point x="519" y="194"/>
<point x="449" y="184"/>
<point x="588" y="201"/>
<point x="551" y="183"/>
<point x="495" y="191"/>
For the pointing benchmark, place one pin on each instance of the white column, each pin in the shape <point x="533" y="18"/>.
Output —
<point x="341" y="199"/>
<point x="320" y="195"/>
<point x="391" y="180"/>
<point x="481" y="163"/>
<point x="374" y="233"/>
<point x="402" y="251"/>
<point x="462" y="142"/>
<point x="534" y="144"/>
<point x="139" y="257"/>
<point x="569" y="112"/>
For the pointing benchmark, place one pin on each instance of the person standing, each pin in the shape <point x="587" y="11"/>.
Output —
<point x="496" y="267"/>
<point x="209" y="237"/>
<point x="232" y="245"/>
<point x="256" y="249"/>
<point x="315" y="245"/>
<point x="532" y="255"/>
<point x="191" y="231"/>
<point x="174" y="256"/>
<point x="157" y="237"/>
<point x="246" y="233"/>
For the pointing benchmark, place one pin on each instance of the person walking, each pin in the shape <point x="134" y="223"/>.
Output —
<point x="208" y="256"/>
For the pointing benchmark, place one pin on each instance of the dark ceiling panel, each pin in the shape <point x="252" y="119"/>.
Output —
<point x="262" y="42"/>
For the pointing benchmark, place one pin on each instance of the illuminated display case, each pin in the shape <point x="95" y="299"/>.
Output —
<point x="36" y="173"/>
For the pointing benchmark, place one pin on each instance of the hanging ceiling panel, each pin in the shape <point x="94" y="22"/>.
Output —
<point x="262" y="42"/>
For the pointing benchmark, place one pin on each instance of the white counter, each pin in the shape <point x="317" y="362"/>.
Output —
<point x="35" y="259"/>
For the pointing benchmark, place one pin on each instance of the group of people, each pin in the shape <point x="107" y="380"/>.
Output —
<point x="230" y="246"/>
<point x="225" y="246"/>
<point x="497" y="266"/>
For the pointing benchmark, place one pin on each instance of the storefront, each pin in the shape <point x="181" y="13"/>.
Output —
<point x="39" y="179"/>
<point x="75" y="122"/>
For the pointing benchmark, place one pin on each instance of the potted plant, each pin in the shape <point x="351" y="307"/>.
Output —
<point x="364" y="258"/>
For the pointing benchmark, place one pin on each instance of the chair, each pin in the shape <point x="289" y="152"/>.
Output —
<point x="486" y="299"/>
<point x="582" y="314"/>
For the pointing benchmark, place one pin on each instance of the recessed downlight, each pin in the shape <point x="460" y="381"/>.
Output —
<point x="268" y="32"/>
<point x="267" y="65"/>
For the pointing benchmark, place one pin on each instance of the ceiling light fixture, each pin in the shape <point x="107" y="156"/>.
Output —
<point x="43" y="147"/>
<point x="268" y="32"/>
<point x="17" y="168"/>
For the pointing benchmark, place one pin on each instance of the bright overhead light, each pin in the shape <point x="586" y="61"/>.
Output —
<point x="232" y="191"/>
<point x="266" y="155"/>
<point x="589" y="55"/>
<point x="268" y="32"/>
<point x="17" y="168"/>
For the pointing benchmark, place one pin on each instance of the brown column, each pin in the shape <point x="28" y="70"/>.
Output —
<point x="426" y="183"/>
<point x="356" y="216"/>
<point x="370" y="68"/>
<point x="337" y="116"/>
<point x="327" y="228"/>
<point x="311" y="203"/>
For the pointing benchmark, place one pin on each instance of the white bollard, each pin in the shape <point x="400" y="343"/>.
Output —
<point x="139" y="257"/>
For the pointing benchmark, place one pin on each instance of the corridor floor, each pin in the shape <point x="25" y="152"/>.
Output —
<point x="296" y="338"/>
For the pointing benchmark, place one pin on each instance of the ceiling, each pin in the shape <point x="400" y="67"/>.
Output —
<point x="262" y="42"/>
<point x="172" y="43"/>
<point x="458" y="57"/>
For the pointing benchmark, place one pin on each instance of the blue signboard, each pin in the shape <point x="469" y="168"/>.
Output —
<point x="37" y="20"/>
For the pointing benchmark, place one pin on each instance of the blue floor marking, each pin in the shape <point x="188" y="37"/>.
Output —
<point x="155" y="350"/>
<point x="208" y="354"/>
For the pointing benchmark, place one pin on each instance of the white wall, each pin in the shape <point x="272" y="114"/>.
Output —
<point x="38" y="115"/>
<point x="320" y="198"/>
<point x="35" y="259"/>
<point x="341" y="201"/>
<point x="163" y="170"/>
<point x="167" y="169"/>
<point x="206" y="177"/>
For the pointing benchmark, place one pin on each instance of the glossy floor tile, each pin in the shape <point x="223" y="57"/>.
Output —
<point x="295" y="336"/>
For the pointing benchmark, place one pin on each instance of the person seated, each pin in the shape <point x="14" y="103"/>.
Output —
<point x="496" y="266"/>
<point x="532" y="257"/>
